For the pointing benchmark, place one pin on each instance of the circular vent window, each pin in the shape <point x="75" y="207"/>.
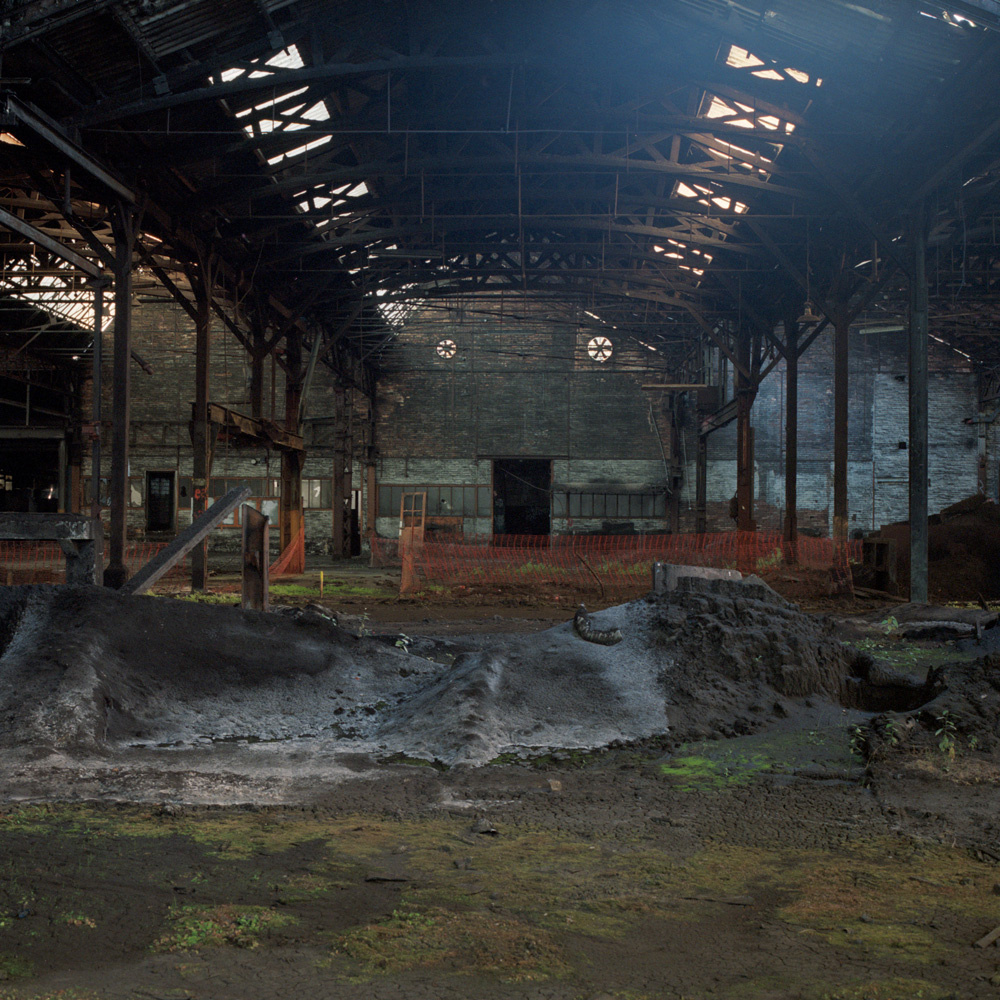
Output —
<point x="447" y="348"/>
<point x="599" y="348"/>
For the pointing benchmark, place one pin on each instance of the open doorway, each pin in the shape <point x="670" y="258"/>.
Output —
<point x="160" y="502"/>
<point x="522" y="496"/>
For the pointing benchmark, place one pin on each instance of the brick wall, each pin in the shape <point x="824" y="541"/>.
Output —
<point x="877" y="426"/>
<point x="164" y="336"/>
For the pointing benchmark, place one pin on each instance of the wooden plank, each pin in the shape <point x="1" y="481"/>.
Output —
<point x="185" y="542"/>
<point x="988" y="939"/>
<point x="256" y="553"/>
<point x="47" y="527"/>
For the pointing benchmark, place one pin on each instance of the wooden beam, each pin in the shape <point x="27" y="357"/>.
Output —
<point x="195" y="533"/>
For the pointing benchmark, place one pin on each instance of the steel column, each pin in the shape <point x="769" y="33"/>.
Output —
<point x="123" y="225"/>
<point x="842" y="326"/>
<point x="701" y="486"/>
<point x="791" y="439"/>
<point x="918" y="410"/>
<point x="200" y="436"/>
<point x="95" y="434"/>
<point x="290" y="513"/>
<point x="745" y="393"/>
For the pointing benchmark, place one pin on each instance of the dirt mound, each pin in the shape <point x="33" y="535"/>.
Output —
<point x="963" y="551"/>
<point x="84" y="668"/>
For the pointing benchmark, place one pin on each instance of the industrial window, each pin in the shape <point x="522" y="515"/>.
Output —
<point x="600" y="348"/>
<point x="609" y="505"/>
<point x="447" y="349"/>
<point x="317" y="494"/>
<point x="160" y="501"/>
<point x="442" y="501"/>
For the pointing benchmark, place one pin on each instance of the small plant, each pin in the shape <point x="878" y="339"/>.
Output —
<point x="973" y="743"/>
<point x="76" y="920"/>
<point x="890" y="624"/>
<point x="892" y="732"/>
<point x="946" y="733"/>
<point x="363" y="626"/>
<point x="403" y="643"/>
<point x="858" y="742"/>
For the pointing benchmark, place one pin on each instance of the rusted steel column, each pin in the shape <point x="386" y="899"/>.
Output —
<point x="95" y="434"/>
<point x="123" y="226"/>
<point x="200" y="432"/>
<point x="701" y="486"/>
<point x="340" y="462"/>
<point x="257" y="367"/>
<point x="290" y="514"/>
<point x="842" y="327"/>
<point x="791" y="439"/>
<point x="918" y="411"/>
<point x="744" y="462"/>
<point x="255" y="559"/>
<point x="745" y="393"/>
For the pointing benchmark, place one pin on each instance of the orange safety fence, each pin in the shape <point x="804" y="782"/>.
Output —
<point x="24" y="562"/>
<point x="618" y="563"/>
<point x="293" y="560"/>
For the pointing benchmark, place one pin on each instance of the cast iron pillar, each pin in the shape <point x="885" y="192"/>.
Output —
<point x="201" y="438"/>
<point x="95" y="434"/>
<point x="340" y="470"/>
<point x="123" y="227"/>
<point x="791" y="439"/>
<point x="701" y="485"/>
<point x="290" y="513"/>
<point x="841" y="340"/>
<point x="745" y="393"/>
<point x="918" y="411"/>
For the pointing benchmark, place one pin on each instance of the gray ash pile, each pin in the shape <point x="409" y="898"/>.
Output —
<point x="85" y="668"/>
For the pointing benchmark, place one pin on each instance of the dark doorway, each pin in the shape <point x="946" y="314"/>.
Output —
<point x="160" y="501"/>
<point x="522" y="491"/>
<point x="29" y="476"/>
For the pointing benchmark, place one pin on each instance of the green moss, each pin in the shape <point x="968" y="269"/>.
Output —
<point x="194" y="927"/>
<point x="14" y="967"/>
<point x="462" y="942"/>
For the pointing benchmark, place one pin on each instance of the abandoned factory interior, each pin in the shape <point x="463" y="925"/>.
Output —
<point x="499" y="499"/>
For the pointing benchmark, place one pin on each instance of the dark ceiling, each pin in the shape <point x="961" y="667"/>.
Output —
<point x="673" y="167"/>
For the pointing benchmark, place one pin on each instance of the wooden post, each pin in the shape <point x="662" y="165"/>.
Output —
<point x="123" y="226"/>
<point x="256" y="553"/>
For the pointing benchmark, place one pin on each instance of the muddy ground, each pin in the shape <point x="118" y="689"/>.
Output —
<point x="828" y="851"/>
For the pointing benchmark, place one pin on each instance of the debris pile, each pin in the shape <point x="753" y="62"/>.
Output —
<point x="963" y="551"/>
<point x="86" y="668"/>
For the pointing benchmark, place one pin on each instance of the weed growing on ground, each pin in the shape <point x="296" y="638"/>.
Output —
<point x="214" y="926"/>
<point x="76" y="920"/>
<point x="13" y="967"/>
<point x="946" y="733"/>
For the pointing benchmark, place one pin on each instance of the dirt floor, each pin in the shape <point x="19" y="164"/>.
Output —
<point x="828" y="852"/>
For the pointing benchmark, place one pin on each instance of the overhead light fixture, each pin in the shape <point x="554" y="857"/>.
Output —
<point x="808" y="317"/>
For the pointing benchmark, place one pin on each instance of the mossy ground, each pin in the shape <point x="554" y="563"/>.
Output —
<point x="373" y="898"/>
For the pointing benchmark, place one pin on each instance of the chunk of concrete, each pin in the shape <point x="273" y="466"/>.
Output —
<point x="666" y="575"/>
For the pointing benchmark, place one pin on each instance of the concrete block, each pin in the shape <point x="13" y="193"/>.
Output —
<point x="666" y="575"/>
